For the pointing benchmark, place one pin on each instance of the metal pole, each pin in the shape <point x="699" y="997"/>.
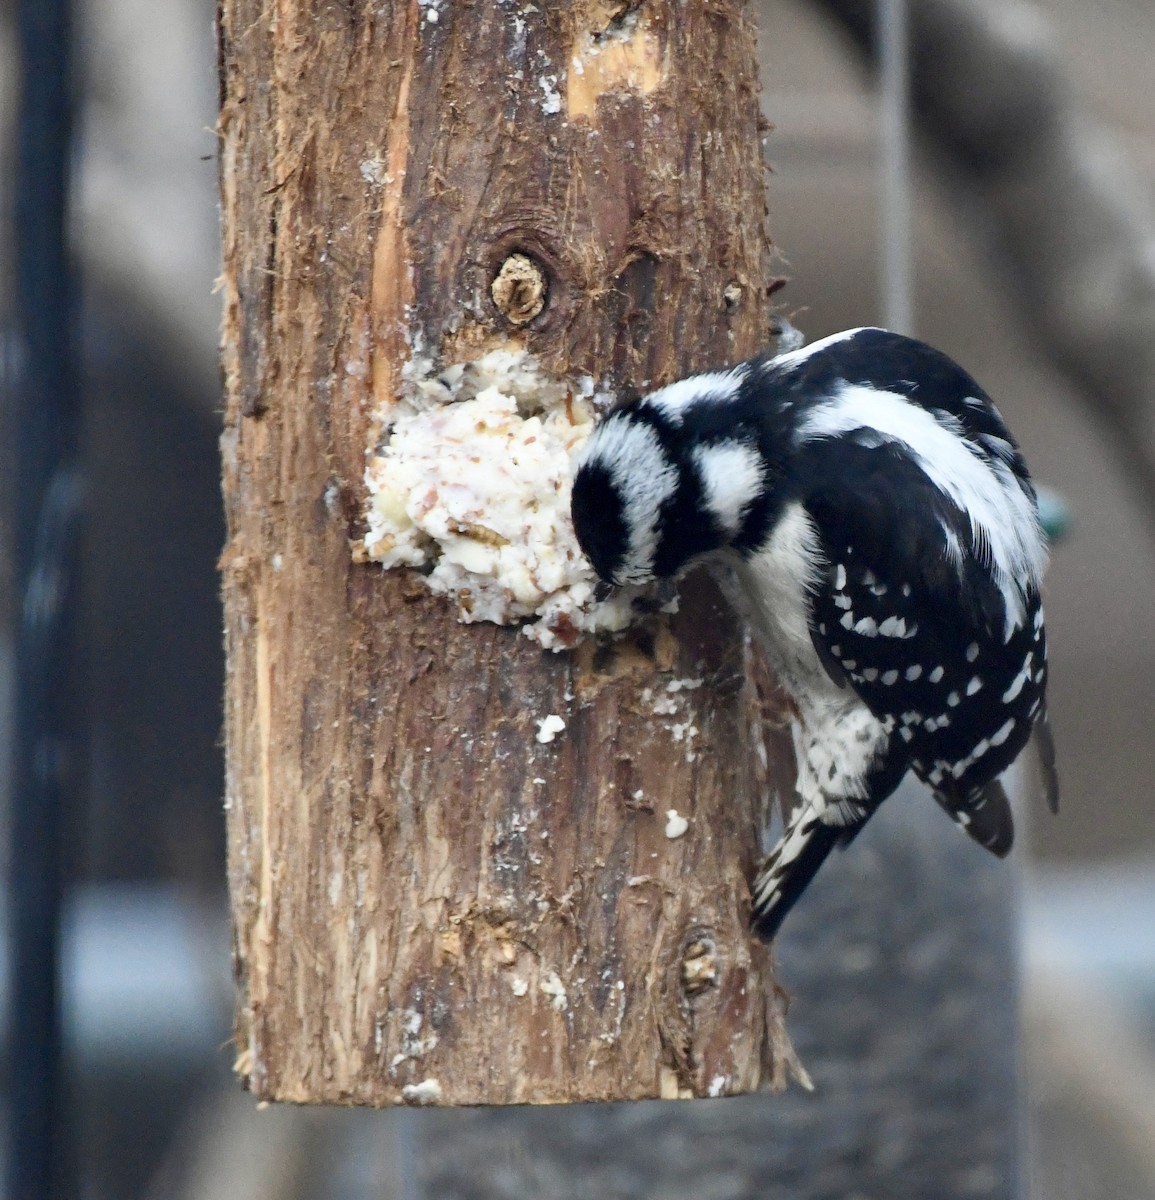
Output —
<point x="45" y="497"/>
<point x="894" y="166"/>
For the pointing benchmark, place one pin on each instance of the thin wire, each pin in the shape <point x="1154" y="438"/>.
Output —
<point x="896" y="232"/>
<point x="46" y="501"/>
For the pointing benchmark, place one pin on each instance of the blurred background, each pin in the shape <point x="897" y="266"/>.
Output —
<point x="1031" y="225"/>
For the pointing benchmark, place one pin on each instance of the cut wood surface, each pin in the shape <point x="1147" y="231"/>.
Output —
<point x="430" y="905"/>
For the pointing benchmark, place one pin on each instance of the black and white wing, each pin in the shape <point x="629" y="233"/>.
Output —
<point x="925" y="636"/>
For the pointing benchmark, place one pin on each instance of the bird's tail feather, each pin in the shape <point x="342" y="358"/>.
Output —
<point x="1045" y="746"/>
<point x="985" y="815"/>
<point x="790" y="867"/>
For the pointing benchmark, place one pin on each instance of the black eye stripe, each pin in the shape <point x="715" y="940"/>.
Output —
<point x="599" y="520"/>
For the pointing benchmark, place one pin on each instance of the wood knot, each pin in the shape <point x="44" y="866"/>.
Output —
<point x="519" y="289"/>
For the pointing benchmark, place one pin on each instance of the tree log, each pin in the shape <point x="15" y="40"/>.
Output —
<point x="429" y="905"/>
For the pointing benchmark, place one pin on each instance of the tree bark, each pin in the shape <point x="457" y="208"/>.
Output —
<point x="429" y="905"/>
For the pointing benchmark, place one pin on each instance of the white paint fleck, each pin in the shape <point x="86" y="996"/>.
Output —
<point x="553" y="987"/>
<point x="428" y="1091"/>
<point x="373" y="171"/>
<point x="717" y="1085"/>
<point x="518" y="986"/>
<point x="548" y="728"/>
<point x="676" y="824"/>
<point x="551" y="104"/>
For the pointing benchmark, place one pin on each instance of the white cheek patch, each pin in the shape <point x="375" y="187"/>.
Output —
<point x="631" y="454"/>
<point x="731" y="478"/>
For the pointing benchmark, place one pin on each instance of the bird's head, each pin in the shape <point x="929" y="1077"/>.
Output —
<point x="665" y="481"/>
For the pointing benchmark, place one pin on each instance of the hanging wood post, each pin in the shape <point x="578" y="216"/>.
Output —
<point x="430" y="905"/>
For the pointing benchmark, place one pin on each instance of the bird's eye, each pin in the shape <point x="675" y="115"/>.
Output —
<point x="603" y="591"/>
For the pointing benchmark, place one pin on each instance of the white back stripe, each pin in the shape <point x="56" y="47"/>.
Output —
<point x="713" y="387"/>
<point x="1004" y="524"/>
<point x="793" y="357"/>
